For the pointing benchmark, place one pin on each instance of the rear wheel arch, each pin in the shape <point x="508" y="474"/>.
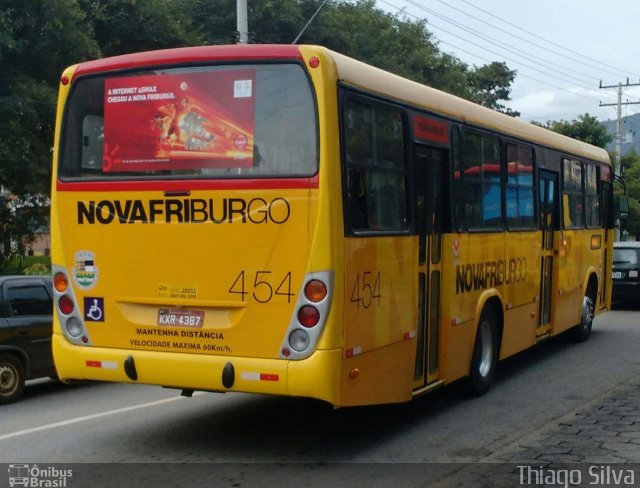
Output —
<point x="486" y="346"/>
<point x="582" y="331"/>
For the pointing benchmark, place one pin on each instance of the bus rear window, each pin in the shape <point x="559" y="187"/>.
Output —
<point x="235" y="121"/>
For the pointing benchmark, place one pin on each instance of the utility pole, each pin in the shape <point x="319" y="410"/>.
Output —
<point x="619" y="174"/>
<point x="242" y="22"/>
<point x="619" y="104"/>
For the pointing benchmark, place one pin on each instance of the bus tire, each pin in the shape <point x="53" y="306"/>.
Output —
<point x="484" y="361"/>
<point x="582" y="331"/>
<point x="12" y="378"/>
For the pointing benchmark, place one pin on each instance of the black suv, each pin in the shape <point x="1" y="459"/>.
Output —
<point x="26" y="319"/>
<point x="626" y="271"/>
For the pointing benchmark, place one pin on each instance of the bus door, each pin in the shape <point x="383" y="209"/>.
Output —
<point x="549" y="224"/>
<point x="430" y="168"/>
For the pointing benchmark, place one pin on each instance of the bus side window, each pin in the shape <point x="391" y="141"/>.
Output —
<point x="572" y="193"/>
<point x="592" y="195"/>
<point x="481" y="181"/>
<point x="357" y="200"/>
<point x="376" y="170"/>
<point x="519" y="189"/>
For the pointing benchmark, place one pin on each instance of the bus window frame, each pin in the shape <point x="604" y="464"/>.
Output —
<point x="345" y="95"/>
<point x="145" y="179"/>
<point x="534" y="175"/>
<point x="598" y="193"/>
<point x="464" y="130"/>
<point x="564" y="158"/>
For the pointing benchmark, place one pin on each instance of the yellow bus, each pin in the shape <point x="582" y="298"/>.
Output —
<point x="286" y="220"/>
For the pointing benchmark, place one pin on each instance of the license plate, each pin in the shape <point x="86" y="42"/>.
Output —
<point x="616" y="275"/>
<point x="180" y="317"/>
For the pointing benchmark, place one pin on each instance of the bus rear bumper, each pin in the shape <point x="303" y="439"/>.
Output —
<point x="315" y="377"/>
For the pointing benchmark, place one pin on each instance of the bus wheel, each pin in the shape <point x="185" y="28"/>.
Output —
<point x="581" y="332"/>
<point x="12" y="378"/>
<point x="484" y="361"/>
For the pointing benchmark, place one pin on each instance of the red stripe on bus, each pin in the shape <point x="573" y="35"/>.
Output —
<point x="190" y="55"/>
<point x="188" y="185"/>
<point x="269" y="377"/>
<point x="94" y="364"/>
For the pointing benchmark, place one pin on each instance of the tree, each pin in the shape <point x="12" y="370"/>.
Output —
<point x="490" y="84"/>
<point x="125" y="26"/>
<point x="631" y="175"/>
<point x="391" y="42"/>
<point x="37" y="41"/>
<point x="585" y="128"/>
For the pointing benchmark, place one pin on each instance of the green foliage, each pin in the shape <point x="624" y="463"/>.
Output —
<point x="585" y="128"/>
<point x="17" y="264"/>
<point x="37" y="41"/>
<point x="125" y="26"/>
<point x="631" y="176"/>
<point x="37" y="269"/>
<point x="632" y="225"/>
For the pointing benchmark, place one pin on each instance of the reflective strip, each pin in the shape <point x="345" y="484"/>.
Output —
<point x="353" y="352"/>
<point x="269" y="377"/>
<point x="102" y="364"/>
<point x="409" y="335"/>
<point x="251" y="376"/>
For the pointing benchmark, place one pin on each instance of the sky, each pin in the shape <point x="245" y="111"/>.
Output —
<point x="561" y="49"/>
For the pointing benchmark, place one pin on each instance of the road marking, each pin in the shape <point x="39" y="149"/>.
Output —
<point x="63" y="423"/>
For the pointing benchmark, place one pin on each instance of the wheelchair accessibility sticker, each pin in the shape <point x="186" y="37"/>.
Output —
<point x="94" y="309"/>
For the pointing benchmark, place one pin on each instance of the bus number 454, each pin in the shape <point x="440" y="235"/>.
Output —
<point x="366" y="289"/>
<point x="264" y="289"/>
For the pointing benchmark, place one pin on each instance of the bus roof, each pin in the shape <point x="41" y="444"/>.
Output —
<point x="382" y="82"/>
<point x="190" y="55"/>
<point x="363" y="76"/>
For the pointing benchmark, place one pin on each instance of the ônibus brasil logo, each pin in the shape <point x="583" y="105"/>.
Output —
<point x="38" y="477"/>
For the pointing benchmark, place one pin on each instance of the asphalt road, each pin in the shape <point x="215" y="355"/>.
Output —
<point x="279" y="439"/>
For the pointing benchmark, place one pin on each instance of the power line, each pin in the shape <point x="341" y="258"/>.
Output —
<point x="626" y="73"/>
<point x="551" y="75"/>
<point x="493" y="26"/>
<point x="522" y="74"/>
<point x="493" y="41"/>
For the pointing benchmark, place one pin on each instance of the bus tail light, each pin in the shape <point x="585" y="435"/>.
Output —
<point x="74" y="327"/>
<point x="315" y="291"/>
<point x="60" y="282"/>
<point x="67" y="309"/>
<point x="299" y="340"/>
<point x="309" y="316"/>
<point x="65" y="305"/>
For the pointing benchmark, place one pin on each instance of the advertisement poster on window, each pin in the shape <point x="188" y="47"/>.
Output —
<point x="193" y="120"/>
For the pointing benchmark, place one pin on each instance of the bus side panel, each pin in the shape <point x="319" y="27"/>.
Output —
<point x="473" y="265"/>
<point x="569" y="282"/>
<point x="383" y="375"/>
<point x="576" y="258"/>
<point x="380" y="311"/>
<point x="521" y="291"/>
